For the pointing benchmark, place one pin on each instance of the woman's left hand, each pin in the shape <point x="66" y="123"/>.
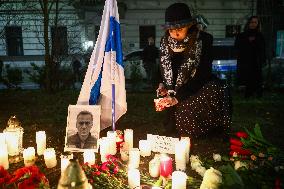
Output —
<point x="171" y="101"/>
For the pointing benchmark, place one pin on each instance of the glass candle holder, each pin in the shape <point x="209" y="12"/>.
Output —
<point x="166" y="165"/>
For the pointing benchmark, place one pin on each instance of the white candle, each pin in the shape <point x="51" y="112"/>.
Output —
<point x="156" y="187"/>
<point x="4" y="159"/>
<point x="89" y="157"/>
<point x="50" y="157"/>
<point x="154" y="167"/>
<point x="40" y="142"/>
<point x="12" y="141"/>
<point x="124" y="152"/>
<point x="29" y="156"/>
<point x="180" y="155"/>
<point x="145" y="148"/>
<point x="104" y="148"/>
<point x="179" y="180"/>
<point x="134" y="178"/>
<point x="187" y="146"/>
<point x="128" y="137"/>
<point x="134" y="158"/>
<point x="2" y="138"/>
<point x="64" y="162"/>
<point x="111" y="135"/>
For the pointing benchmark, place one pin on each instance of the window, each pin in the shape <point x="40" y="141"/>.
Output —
<point x="14" y="40"/>
<point x="59" y="40"/>
<point x="232" y="30"/>
<point x="145" y="32"/>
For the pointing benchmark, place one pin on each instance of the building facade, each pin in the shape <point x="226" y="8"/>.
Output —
<point x="77" y="24"/>
<point x="22" y="32"/>
<point x="141" y="19"/>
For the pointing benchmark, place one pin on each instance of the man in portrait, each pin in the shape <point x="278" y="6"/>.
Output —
<point x="83" y="138"/>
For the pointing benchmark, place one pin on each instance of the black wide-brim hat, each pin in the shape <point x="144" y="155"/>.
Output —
<point x="178" y="15"/>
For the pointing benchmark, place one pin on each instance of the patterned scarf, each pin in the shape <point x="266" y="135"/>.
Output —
<point x="188" y="67"/>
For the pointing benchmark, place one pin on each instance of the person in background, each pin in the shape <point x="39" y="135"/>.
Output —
<point x="250" y="48"/>
<point x="76" y="66"/>
<point x="150" y="56"/>
<point x="200" y="103"/>
<point x="83" y="138"/>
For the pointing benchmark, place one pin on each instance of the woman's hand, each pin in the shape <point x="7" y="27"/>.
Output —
<point x="170" y="101"/>
<point x="161" y="91"/>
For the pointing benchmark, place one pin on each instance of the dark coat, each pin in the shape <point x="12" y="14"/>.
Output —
<point x="250" y="48"/>
<point x="89" y="143"/>
<point x="203" y="72"/>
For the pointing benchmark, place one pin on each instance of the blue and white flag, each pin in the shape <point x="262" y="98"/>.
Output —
<point x="104" y="82"/>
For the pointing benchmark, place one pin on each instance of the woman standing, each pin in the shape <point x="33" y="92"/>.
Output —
<point x="200" y="103"/>
<point x="251" y="56"/>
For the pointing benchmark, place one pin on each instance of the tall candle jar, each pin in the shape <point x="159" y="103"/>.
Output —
<point x="40" y="142"/>
<point x="50" y="158"/>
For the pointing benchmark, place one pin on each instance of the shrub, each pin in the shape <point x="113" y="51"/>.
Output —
<point x="37" y="75"/>
<point x="136" y="77"/>
<point x="14" y="76"/>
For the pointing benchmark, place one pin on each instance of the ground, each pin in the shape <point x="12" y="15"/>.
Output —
<point x="40" y="111"/>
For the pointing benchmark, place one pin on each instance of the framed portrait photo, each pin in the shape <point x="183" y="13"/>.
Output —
<point x="83" y="128"/>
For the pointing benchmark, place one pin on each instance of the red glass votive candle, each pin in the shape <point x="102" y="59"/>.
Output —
<point x="166" y="165"/>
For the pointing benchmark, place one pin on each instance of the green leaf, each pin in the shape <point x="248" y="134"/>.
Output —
<point x="159" y="182"/>
<point x="230" y="178"/>
<point x="257" y="131"/>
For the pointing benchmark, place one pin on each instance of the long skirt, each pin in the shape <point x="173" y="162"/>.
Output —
<point x="208" y="109"/>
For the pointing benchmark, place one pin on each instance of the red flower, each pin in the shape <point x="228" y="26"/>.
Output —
<point x="105" y="167"/>
<point x="111" y="158"/>
<point x="98" y="173"/>
<point x="236" y="142"/>
<point x="242" y="134"/>
<point x="239" y="150"/>
<point x="28" y="178"/>
<point x="4" y="177"/>
<point x="115" y="170"/>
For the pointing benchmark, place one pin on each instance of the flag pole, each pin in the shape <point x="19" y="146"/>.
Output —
<point x="113" y="107"/>
<point x="113" y="62"/>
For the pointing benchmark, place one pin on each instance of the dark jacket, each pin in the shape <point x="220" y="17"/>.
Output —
<point x="251" y="55"/>
<point x="203" y="72"/>
<point x="150" y="53"/>
<point x="74" y="140"/>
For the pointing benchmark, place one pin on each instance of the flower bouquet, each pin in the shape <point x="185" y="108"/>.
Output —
<point x="23" y="178"/>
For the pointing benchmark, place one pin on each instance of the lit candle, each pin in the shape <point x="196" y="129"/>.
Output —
<point x="104" y="148"/>
<point x="145" y="148"/>
<point x="65" y="158"/>
<point x="124" y="152"/>
<point x="40" y="142"/>
<point x="12" y="141"/>
<point x="134" y="178"/>
<point x="50" y="157"/>
<point x="187" y="145"/>
<point x="180" y="155"/>
<point x="89" y="157"/>
<point x="179" y="180"/>
<point x="128" y="137"/>
<point x="111" y="135"/>
<point x="4" y="159"/>
<point x="154" y="167"/>
<point x="29" y="156"/>
<point x="2" y="138"/>
<point x="134" y="158"/>
<point x="166" y="165"/>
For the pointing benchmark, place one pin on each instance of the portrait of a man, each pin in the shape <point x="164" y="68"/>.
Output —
<point x="82" y="129"/>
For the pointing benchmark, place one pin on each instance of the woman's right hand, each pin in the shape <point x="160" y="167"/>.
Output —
<point x="161" y="91"/>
